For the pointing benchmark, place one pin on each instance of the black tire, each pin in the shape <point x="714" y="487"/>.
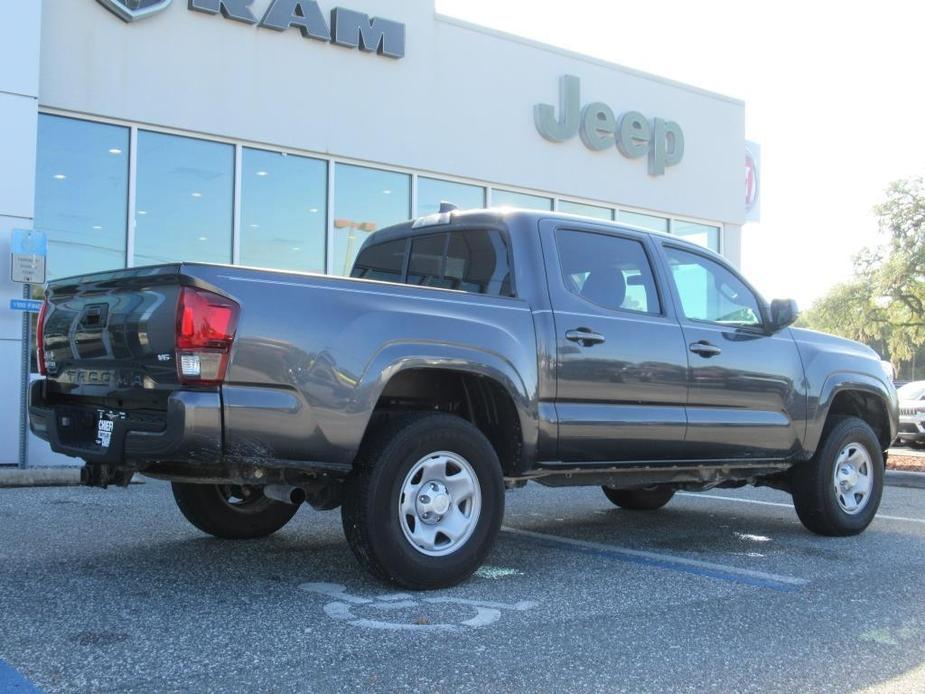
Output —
<point x="647" y="499"/>
<point x="213" y="509"/>
<point x="373" y="492"/>
<point x="813" y="483"/>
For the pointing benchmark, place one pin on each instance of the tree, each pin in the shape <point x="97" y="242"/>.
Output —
<point x="884" y="303"/>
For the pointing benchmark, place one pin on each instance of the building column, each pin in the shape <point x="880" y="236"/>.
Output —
<point x="20" y="33"/>
<point x="732" y="244"/>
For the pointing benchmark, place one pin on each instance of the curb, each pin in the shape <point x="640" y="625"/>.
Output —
<point x="905" y="478"/>
<point x="40" y="477"/>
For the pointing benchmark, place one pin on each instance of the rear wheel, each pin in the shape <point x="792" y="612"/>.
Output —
<point x="838" y="491"/>
<point x="645" y="499"/>
<point x="233" y="512"/>
<point x="424" y="505"/>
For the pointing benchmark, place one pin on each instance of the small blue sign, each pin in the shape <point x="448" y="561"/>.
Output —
<point x="29" y="242"/>
<point x="27" y="305"/>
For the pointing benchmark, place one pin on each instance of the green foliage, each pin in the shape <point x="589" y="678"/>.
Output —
<point x="884" y="304"/>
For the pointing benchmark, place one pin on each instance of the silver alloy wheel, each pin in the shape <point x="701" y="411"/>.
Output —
<point x="853" y="478"/>
<point x="439" y="503"/>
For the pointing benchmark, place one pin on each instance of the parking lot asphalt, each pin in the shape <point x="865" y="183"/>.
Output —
<point x="112" y="591"/>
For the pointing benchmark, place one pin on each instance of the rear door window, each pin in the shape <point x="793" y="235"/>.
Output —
<point x="609" y="271"/>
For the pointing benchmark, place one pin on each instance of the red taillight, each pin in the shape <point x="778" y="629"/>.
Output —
<point x="206" y="324"/>
<point x="40" y="338"/>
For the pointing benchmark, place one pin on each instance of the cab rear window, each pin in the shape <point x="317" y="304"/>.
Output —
<point x="472" y="261"/>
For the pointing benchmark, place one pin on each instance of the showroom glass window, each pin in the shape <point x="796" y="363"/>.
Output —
<point x="81" y="194"/>
<point x="184" y="200"/>
<point x="283" y="211"/>
<point x="432" y="191"/>
<point x="701" y="234"/>
<point x="508" y="198"/>
<point x="585" y="210"/>
<point x="365" y="200"/>
<point x="644" y="221"/>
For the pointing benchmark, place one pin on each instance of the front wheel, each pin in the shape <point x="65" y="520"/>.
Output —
<point x="646" y="499"/>
<point x="424" y="505"/>
<point x="838" y="492"/>
<point x="231" y="512"/>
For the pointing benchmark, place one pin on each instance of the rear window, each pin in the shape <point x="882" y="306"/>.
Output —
<point x="382" y="261"/>
<point x="472" y="261"/>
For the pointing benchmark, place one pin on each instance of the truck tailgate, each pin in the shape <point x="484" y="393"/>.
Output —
<point x="112" y="336"/>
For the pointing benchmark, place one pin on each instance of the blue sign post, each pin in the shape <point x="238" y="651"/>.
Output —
<point x="27" y="305"/>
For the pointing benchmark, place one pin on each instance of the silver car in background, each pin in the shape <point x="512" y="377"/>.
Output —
<point x="912" y="414"/>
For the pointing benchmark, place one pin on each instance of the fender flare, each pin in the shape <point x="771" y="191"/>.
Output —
<point x="396" y="357"/>
<point x="840" y="382"/>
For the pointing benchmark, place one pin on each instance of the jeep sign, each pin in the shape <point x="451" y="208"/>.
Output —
<point x="632" y="133"/>
<point x="347" y="27"/>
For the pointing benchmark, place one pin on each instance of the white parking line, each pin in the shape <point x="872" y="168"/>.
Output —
<point x="671" y="561"/>
<point x="695" y="495"/>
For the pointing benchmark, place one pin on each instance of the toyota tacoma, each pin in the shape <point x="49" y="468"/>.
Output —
<point x="469" y="353"/>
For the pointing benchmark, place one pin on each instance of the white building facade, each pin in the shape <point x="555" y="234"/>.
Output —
<point x="279" y="133"/>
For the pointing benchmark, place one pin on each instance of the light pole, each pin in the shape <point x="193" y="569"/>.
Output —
<point x="351" y="237"/>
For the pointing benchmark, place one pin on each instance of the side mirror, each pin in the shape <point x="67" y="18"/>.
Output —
<point x="784" y="312"/>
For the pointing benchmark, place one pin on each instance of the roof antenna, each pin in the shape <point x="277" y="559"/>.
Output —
<point x="447" y="207"/>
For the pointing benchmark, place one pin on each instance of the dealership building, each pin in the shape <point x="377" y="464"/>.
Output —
<point x="281" y="133"/>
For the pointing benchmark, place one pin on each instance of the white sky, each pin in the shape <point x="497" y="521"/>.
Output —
<point x="834" y="92"/>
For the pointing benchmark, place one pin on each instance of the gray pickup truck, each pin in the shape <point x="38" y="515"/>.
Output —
<point x="469" y="353"/>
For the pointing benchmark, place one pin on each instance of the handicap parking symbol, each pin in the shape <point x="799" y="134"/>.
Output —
<point x="382" y="611"/>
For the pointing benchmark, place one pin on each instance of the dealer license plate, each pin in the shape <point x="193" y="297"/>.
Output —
<point x="105" y="425"/>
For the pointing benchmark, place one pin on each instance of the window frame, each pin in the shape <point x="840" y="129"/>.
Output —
<point x="705" y="253"/>
<point x="625" y="235"/>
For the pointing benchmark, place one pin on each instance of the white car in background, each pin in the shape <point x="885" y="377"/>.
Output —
<point x="912" y="414"/>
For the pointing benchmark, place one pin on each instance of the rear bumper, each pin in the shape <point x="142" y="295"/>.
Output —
<point x="190" y="430"/>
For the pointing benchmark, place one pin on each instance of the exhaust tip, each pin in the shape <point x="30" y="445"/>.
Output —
<point x="285" y="493"/>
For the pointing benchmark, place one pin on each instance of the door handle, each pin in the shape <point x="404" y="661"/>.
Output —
<point x="705" y="349"/>
<point x="585" y="337"/>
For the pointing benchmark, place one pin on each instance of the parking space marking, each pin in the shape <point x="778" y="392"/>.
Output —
<point x="666" y="561"/>
<point x="693" y="495"/>
<point x="14" y="683"/>
<point x="341" y="609"/>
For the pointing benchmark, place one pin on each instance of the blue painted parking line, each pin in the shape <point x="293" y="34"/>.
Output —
<point x="671" y="562"/>
<point x="11" y="682"/>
